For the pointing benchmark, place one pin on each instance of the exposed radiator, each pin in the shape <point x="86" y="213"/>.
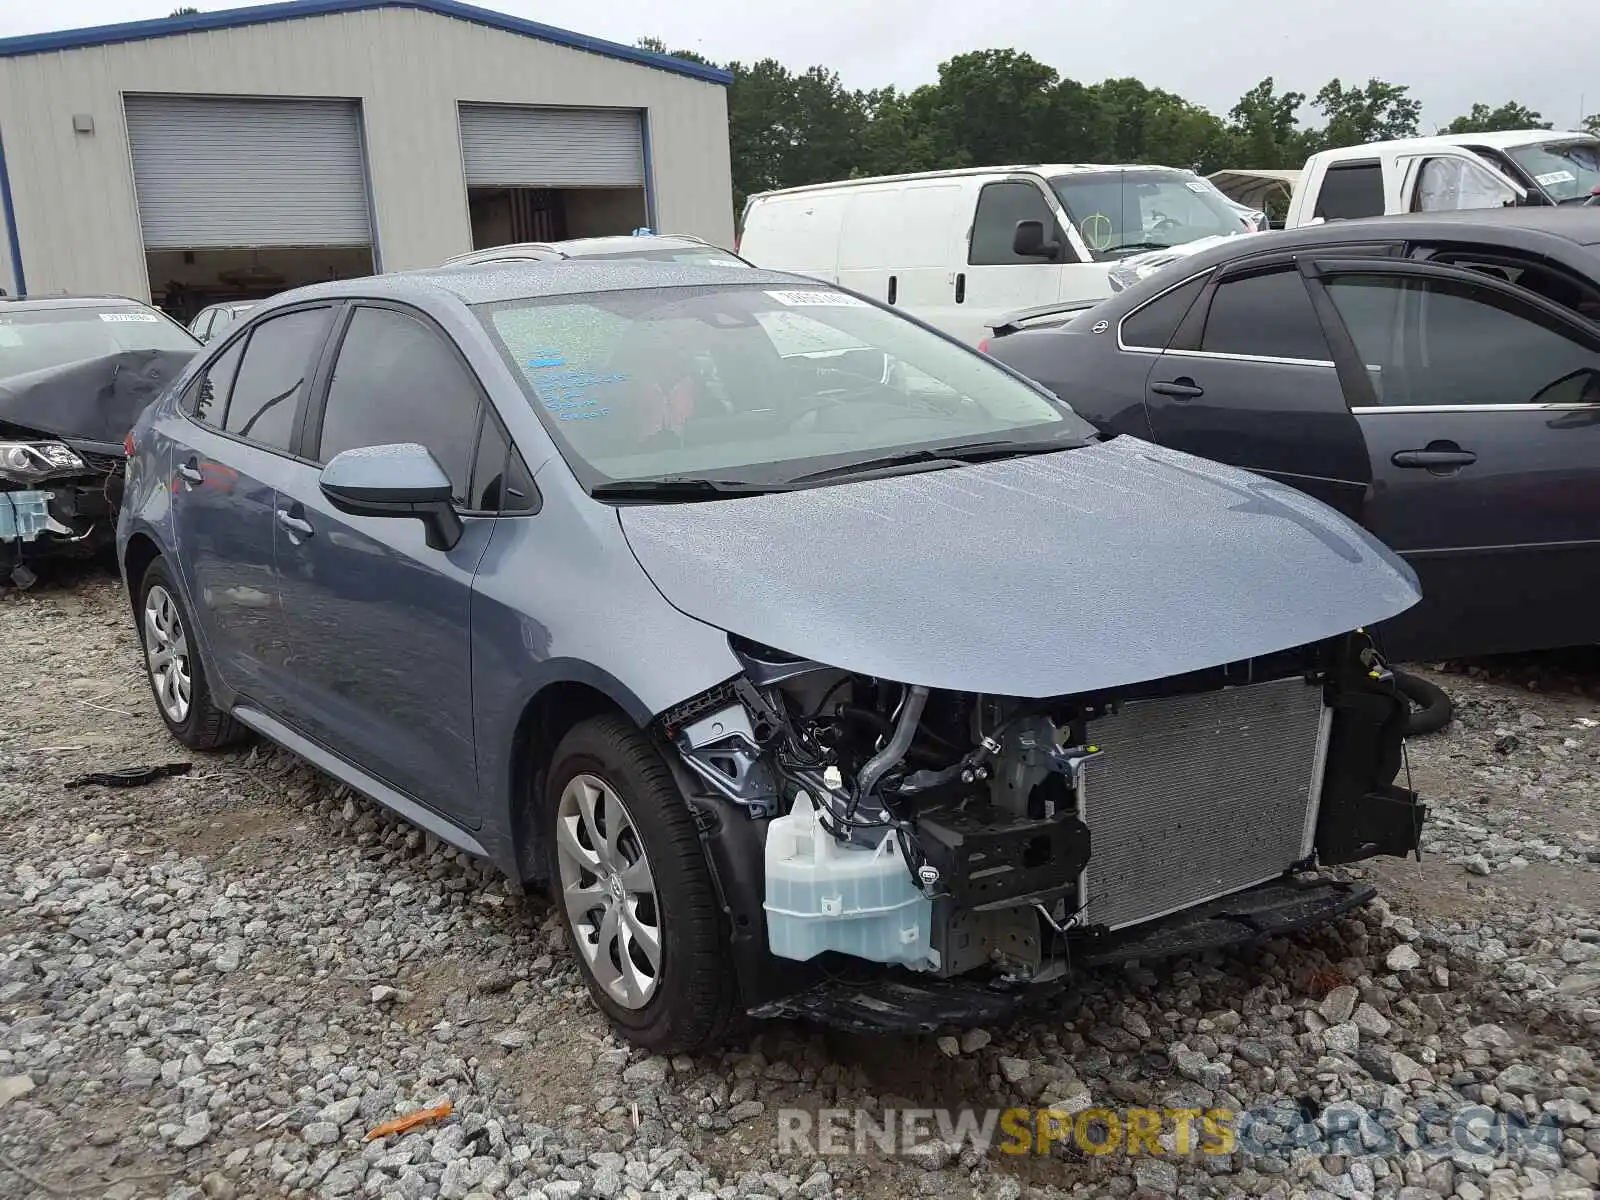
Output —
<point x="1199" y="796"/>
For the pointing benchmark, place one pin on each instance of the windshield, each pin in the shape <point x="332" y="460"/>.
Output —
<point x="757" y="385"/>
<point x="34" y="339"/>
<point x="1567" y="171"/>
<point x="1122" y="212"/>
<point x="700" y="255"/>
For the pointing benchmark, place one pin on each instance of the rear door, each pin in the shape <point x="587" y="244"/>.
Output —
<point x="380" y="623"/>
<point x="231" y="457"/>
<point x="1483" y="423"/>
<point x="1248" y="379"/>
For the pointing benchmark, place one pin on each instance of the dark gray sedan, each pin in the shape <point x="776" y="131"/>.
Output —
<point x="1437" y="378"/>
<point x="791" y="670"/>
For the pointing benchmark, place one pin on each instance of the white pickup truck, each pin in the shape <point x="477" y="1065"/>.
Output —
<point x="1424" y="174"/>
<point x="1445" y="173"/>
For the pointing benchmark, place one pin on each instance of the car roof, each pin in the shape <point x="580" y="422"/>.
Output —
<point x="581" y="247"/>
<point x="1527" y="228"/>
<point x="1501" y="140"/>
<point x="14" y="303"/>
<point x="489" y="283"/>
<point x="1532" y="230"/>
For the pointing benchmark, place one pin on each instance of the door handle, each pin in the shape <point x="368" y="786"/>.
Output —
<point x="191" y="472"/>
<point x="1434" y="460"/>
<point x="1181" y="388"/>
<point x="294" y="524"/>
<point x="893" y="288"/>
<point x="961" y="288"/>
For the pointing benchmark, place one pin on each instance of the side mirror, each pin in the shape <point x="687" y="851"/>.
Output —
<point x="401" y="480"/>
<point x="1028" y="242"/>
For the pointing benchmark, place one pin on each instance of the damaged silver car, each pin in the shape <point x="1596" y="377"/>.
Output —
<point x="819" y="665"/>
<point x="74" y="374"/>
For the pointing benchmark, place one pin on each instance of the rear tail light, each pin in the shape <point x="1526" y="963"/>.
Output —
<point x="983" y="346"/>
<point x="127" y="445"/>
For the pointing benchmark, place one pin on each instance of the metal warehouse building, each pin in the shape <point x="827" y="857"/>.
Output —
<point x="232" y="154"/>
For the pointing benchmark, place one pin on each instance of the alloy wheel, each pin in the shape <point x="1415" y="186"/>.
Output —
<point x="609" y="891"/>
<point x="166" y="648"/>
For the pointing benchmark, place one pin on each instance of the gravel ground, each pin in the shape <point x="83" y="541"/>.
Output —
<point x="217" y="984"/>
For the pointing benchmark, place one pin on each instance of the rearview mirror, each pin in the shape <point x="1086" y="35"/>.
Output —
<point x="400" y="480"/>
<point x="1029" y="241"/>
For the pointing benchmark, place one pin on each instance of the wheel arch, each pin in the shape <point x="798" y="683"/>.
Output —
<point x="137" y="555"/>
<point x="548" y="715"/>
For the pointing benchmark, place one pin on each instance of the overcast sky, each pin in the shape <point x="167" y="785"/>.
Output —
<point x="1451" y="52"/>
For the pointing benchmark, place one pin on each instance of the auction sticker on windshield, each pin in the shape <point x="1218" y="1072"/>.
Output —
<point x="817" y="299"/>
<point x="150" y="318"/>
<point x="1555" y="177"/>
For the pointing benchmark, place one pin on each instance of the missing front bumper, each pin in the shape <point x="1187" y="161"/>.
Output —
<point x="900" y="1002"/>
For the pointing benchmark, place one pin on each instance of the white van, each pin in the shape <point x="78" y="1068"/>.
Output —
<point x="959" y="248"/>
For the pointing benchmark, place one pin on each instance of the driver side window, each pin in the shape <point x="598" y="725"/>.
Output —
<point x="1450" y="184"/>
<point x="396" y="380"/>
<point x="994" y="227"/>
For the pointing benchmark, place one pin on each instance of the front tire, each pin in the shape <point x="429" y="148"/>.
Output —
<point x="172" y="665"/>
<point x="631" y="881"/>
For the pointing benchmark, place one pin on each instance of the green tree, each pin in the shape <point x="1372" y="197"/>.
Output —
<point x="184" y="12"/>
<point x="1591" y="123"/>
<point x="992" y="107"/>
<point x="1511" y="115"/>
<point x="1265" y="125"/>
<point x="1374" y="113"/>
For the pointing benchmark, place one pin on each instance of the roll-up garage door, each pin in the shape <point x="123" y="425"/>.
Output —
<point x="222" y="172"/>
<point x="503" y="146"/>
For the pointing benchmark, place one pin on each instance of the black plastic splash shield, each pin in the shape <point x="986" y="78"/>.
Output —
<point x="899" y="1002"/>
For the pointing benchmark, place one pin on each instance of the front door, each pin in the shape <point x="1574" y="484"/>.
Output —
<point x="1483" y="425"/>
<point x="995" y="279"/>
<point x="230" y="457"/>
<point x="380" y="623"/>
<point x="1248" y="380"/>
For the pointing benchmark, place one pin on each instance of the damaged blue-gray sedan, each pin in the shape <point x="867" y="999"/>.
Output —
<point x="816" y="664"/>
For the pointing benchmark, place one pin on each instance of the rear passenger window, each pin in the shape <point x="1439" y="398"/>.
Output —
<point x="994" y="228"/>
<point x="208" y="396"/>
<point x="1351" y="190"/>
<point x="1264" y="316"/>
<point x="1152" y="326"/>
<point x="396" y="380"/>
<point x="278" y="359"/>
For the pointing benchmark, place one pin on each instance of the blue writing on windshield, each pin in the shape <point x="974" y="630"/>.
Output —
<point x="566" y="393"/>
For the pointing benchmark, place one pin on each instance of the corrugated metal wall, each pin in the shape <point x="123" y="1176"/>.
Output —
<point x="74" y="195"/>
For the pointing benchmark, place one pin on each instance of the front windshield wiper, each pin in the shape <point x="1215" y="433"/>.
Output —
<point x="679" y="487"/>
<point x="1138" y="246"/>
<point x="937" y="457"/>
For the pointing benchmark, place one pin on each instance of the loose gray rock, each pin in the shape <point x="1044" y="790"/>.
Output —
<point x="1403" y="958"/>
<point x="196" y="1129"/>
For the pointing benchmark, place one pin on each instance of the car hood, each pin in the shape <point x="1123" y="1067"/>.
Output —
<point x="1117" y="563"/>
<point x="96" y="400"/>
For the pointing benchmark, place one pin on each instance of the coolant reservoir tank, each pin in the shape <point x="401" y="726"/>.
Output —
<point x="857" y="900"/>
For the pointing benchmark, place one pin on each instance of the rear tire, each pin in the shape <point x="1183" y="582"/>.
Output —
<point x="629" y="875"/>
<point x="173" y="665"/>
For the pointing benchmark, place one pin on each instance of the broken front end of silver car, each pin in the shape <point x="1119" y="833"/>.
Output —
<point x="953" y="850"/>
